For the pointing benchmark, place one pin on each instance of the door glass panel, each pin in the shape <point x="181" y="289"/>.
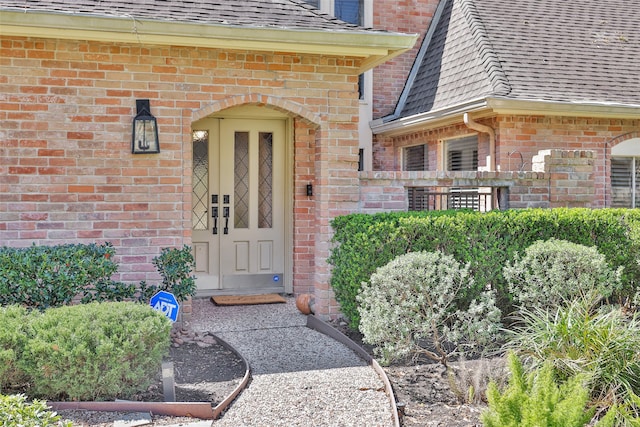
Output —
<point x="241" y="180"/>
<point x="265" y="180"/>
<point x="200" y="197"/>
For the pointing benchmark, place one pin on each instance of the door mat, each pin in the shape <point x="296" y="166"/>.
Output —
<point x="247" y="299"/>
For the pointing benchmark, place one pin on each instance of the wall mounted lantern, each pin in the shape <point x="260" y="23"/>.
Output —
<point x="145" y="130"/>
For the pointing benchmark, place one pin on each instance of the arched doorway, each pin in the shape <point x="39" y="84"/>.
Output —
<point x="240" y="202"/>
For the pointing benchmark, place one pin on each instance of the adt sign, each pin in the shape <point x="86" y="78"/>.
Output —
<point x="166" y="303"/>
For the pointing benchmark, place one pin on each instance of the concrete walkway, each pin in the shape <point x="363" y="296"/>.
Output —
<point x="300" y="377"/>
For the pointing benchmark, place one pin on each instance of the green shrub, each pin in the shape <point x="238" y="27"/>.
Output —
<point x="412" y="306"/>
<point x="94" y="351"/>
<point x="175" y="266"/>
<point x="16" y="411"/>
<point x="623" y="415"/>
<point x="50" y="276"/>
<point x="13" y="338"/>
<point x="535" y="400"/>
<point x="553" y="272"/>
<point x="485" y="241"/>
<point x="600" y="342"/>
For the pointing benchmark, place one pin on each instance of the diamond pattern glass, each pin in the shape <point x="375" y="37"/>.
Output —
<point x="200" y="180"/>
<point x="241" y="180"/>
<point x="265" y="180"/>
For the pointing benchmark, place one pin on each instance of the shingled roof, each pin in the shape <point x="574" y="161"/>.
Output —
<point x="572" y="51"/>
<point x="245" y="13"/>
<point x="257" y="25"/>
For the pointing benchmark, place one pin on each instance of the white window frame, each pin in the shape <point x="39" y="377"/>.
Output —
<point x="629" y="149"/>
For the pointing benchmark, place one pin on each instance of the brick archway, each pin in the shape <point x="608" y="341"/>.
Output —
<point x="280" y="104"/>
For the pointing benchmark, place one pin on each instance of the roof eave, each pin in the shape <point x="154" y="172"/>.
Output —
<point x="486" y="107"/>
<point x="373" y="47"/>
<point x="430" y="119"/>
<point x="578" y="108"/>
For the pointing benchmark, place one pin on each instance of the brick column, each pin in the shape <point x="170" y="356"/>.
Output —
<point x="571" y="176"/>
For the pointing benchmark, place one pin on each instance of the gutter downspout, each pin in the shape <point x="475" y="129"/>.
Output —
<point x="468" y="121"/>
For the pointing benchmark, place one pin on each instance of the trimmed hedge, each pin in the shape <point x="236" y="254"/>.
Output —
<point x="487" y="241"/>
<point x="50" y="276"/>
<point x="91" y="351"/>
<point x="39" y="277"/>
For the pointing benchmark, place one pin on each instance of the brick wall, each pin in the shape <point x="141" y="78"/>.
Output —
<point x="519" y="139"/>
<point x="561" y="178"/>
<point x="67" y="174"/>
<point x="405" y="16"/>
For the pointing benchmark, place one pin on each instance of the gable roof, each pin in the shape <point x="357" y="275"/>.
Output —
<point x="488" y="53"/>
<point x="281" y="25"/>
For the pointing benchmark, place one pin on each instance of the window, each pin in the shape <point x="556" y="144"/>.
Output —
<point x="349" y="11"/>
<point x="625" y="174"/>
<point x="462" y="154"/>
<point x="415" y="158"/>
<point x="314" y="3"/>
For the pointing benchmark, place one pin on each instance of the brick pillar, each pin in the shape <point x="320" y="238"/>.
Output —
<point x="336" y="193"/>
<point x="571" y="176"/>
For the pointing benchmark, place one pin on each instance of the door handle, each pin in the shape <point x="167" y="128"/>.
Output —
<point x="214" y="214"/>
<point x="225" y="213"/>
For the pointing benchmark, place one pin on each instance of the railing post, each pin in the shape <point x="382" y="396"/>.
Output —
<point x="503" y="198"/>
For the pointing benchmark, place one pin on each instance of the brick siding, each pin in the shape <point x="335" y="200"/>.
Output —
<point x="67" y="173"/>
<point x="560" y="179"/>
<point x="519" y="139"/>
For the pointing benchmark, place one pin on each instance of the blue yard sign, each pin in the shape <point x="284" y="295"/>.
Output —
<point x="166" y="303"/>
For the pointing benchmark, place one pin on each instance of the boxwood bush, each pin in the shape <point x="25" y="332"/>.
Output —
<point x="91" y="351"/>
<point x="51" y="276"/>
<point x="486" y="241"/>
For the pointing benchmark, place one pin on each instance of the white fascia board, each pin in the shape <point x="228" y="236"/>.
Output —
<point x="486" y="107"/>
<point x="578" y="108"/>
<point x="429" y="120"/>
<point x="372" y="46"/>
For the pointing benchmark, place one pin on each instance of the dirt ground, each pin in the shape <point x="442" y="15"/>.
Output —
<point x="203" y="372"/>
<point x="425" y="392"/>
<point x="430" y="395"/>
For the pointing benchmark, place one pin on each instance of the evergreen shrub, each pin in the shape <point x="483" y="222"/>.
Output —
<point x="50" y="276"/>
<point x="94" y="351"/>
<point x="16" y="411"/>
<point x="39" y="277"/>
<point x="486" y="241"/>
<point x="553" y="272"/>
<point x="13" y="338"/>
<point x="412" y="307"/>
<point x="536" y="400"/>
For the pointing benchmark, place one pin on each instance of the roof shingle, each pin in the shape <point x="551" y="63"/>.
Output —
<point x="294" y="14"/>
<point x="580" y="51"/>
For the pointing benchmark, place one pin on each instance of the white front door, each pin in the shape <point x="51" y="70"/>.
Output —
<point x="238" y="205"/>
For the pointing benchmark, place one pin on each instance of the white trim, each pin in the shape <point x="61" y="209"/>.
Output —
<point x="485" y="107"/>
<point x="627" y="148"/>
<point x="374" y="47"/>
